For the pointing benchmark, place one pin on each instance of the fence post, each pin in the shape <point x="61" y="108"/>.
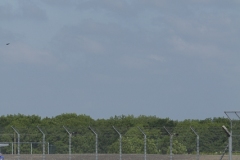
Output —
<point x="18" y="141"/>
<point x="69" y="143"/>
<point x="236" y="117"/>
<point x="43" y="143"/>
<point x="12" y="147"/>
<point x="171" y="137"/>
<point x="120" y="143"/>
<point x="96" y="146"/>
<point x="48" y="147"/>
<point x="31" y="147"/>
<point x="145" y="143"/>
<point x="197" y="142"/>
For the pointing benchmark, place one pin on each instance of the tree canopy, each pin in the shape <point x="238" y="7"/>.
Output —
<point x="157" y="130"/>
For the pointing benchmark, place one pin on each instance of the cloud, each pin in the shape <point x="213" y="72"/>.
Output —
<point x="142" y="61"/>
<point x="166" y="29"/>
<point x="157" y="58"/>
<point x="22" y="11"/>
<point x="134" y="62"/>
<point x="7" y="36"/>
<point x="203" y="50"/>
<point x="80" y="39"/>
<point x="32" y="11"/>
<point x="96" y="42"/>
<point x="18" y="53"/>
<point x="91" y="45"/>
<point x="107" y="5"/>
<point x="61" y="3"/>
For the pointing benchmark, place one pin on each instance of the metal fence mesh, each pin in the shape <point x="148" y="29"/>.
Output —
<point x="128" y="143"/>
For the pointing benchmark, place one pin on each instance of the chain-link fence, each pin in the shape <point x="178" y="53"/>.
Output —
<point x="117" y="142"/>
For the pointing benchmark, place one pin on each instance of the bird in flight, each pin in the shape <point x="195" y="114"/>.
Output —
<point x="7" y="43"/>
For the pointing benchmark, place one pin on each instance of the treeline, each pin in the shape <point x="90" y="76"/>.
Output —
<point x="65" y="128"/>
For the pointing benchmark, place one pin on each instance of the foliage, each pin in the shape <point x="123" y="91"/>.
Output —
<point x="59" y="131"/>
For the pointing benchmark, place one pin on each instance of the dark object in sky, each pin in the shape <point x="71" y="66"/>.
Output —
<point x="7" y="43"/>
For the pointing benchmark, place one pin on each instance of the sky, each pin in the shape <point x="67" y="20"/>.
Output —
<point x="102" y="58"/>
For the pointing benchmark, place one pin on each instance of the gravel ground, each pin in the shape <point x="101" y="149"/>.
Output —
<point x="115" y="157"/>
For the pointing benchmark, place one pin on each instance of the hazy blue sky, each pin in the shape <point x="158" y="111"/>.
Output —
<point x="169" y="58"/>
